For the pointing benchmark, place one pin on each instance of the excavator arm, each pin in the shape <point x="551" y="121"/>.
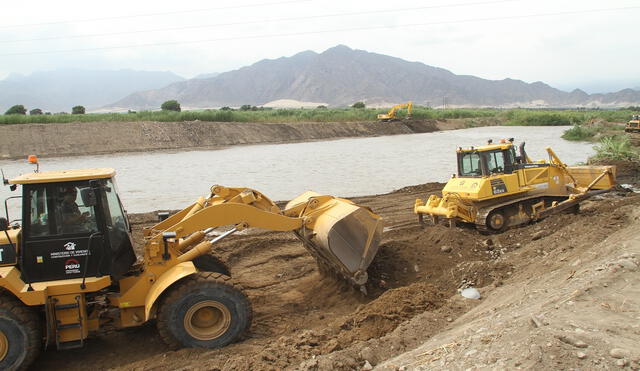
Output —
<point x="336" y="231"/>
<point x="391" y="115"/>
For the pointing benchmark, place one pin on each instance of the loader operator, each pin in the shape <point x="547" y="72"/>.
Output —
<point x="72" y="218"/>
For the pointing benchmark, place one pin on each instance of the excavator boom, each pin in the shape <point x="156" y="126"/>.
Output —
<point x="392" y="114"/>
<point x="337" y="232"/>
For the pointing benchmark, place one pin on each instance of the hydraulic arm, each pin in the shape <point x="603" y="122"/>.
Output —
<point x="338" y="232"/>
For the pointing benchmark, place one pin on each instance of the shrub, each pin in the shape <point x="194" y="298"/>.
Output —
<point x="579" y="132"/>
<point x="18" y="109"/>
<point x="321" y="107"/>
<point x="359" y="105"/>
<point x="225" y="108"/>
<point x="78" y="110"/>
<point x="171" y="105"/>
<point x="616" y="148"/>
<point x="35" y="111"/>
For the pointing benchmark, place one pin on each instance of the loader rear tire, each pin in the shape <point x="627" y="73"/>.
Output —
<point x="20" y="334"/>
<point x="204" y="311"/>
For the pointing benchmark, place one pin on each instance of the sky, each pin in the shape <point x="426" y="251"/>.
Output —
<point x="588" y="44"/>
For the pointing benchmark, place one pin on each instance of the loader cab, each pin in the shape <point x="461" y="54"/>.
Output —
<point x="73" y="226"/>
<point x="486" y="160"/>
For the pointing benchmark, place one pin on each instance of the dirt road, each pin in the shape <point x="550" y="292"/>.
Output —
<point x="303" y="320"/>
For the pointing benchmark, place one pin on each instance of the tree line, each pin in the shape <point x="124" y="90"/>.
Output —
<point x="170" y="105"/>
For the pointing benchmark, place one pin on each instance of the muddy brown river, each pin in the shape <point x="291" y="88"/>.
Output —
<point x="344" y="167"/>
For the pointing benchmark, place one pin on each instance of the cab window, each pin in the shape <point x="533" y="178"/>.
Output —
<point x="470" y="164"/>
<point x="74" y="215"/>
<point x="39" y="221"/>
<point x="114" y="214"/>
<point x="495" y="162"/>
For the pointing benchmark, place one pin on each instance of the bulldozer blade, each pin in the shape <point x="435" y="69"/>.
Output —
<point x="339" y="234"/>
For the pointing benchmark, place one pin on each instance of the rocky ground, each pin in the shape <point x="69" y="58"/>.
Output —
<point x="559" y="294"/>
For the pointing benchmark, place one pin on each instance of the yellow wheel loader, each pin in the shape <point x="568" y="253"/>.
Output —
<point x="393" y="112"/>
<point x="633" y="126"/>
<point x="68" y="269"/>
<point x="496" y="188"/>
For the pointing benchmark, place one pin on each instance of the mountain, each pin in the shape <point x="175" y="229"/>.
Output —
<point x="341" y="76"/>
<point x="207" y="75"/>
<point x="62" y="89"/>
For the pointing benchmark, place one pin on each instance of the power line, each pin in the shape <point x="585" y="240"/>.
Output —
<point x="154" y="14"/>
<point x="261" y="21"/>
<point x="318" y="32"/>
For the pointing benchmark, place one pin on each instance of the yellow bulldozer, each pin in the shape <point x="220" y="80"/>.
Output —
<point x="496" y="188"/>
<point x="393" y="112"/>
<point x="68" y="267"/>
<point x="633" y="126"/>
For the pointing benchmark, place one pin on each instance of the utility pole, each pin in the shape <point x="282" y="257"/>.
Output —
<point x="444" y="102"/>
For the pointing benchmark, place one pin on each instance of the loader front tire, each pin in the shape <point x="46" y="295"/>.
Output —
<point x="204" y="311"/>
<point x="20" y="334"/>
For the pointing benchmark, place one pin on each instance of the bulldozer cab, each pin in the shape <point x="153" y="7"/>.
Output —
<point x="487" y="160"/>
<point x="73" y="226"/>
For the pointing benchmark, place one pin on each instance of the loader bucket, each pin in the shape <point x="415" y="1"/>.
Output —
<point x="339" y="233"/>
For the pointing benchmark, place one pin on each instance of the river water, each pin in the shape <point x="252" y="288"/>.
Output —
<point x="344" y="167"/>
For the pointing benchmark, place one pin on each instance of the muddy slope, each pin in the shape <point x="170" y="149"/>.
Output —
<point x="109" y="137"/>
<point x="303" y="320"/>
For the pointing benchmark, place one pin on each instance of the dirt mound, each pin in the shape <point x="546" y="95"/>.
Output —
<point x="427" y="187"/>
<point x="626" y="171"/>
<point x="569" y="304"/>
<point x="385" y="313"/>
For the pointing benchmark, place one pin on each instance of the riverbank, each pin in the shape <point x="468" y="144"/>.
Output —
<point x="71" y="139"/>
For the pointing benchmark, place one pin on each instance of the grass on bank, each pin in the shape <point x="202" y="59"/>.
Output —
<point x="509" y="117"/>
<point x="617" y="148"/>
<point x="261" y="115"/>
<point x="592" y="132"/>
<point x="563" y="117"/>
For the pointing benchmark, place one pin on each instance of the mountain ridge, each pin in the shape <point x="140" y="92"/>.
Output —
<point x="341" y="76"/>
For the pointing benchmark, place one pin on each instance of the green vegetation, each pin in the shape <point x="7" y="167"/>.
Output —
<point x="358" y="105"/>
<point x="579" y="132"/>
<point x="616" y="148"/>
<point x="323" y="114"/>
<point x="565" y="117"/>
<point x="35" y="111"/>
<point x="18" y="109"/>
<point x="592" y="132"/>
<point x="78" y="110"/>
<point x="171" y="105"/>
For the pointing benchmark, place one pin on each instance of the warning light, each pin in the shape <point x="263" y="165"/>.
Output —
<point x="502" y="141"/>
<point x="33" y="159"/>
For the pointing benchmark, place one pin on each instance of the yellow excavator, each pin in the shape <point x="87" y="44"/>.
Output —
<point x="68" y="269"/>
<point x="495" y="188"/>
<point x="633" y="126"/>
<point x="393" y="112"/>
